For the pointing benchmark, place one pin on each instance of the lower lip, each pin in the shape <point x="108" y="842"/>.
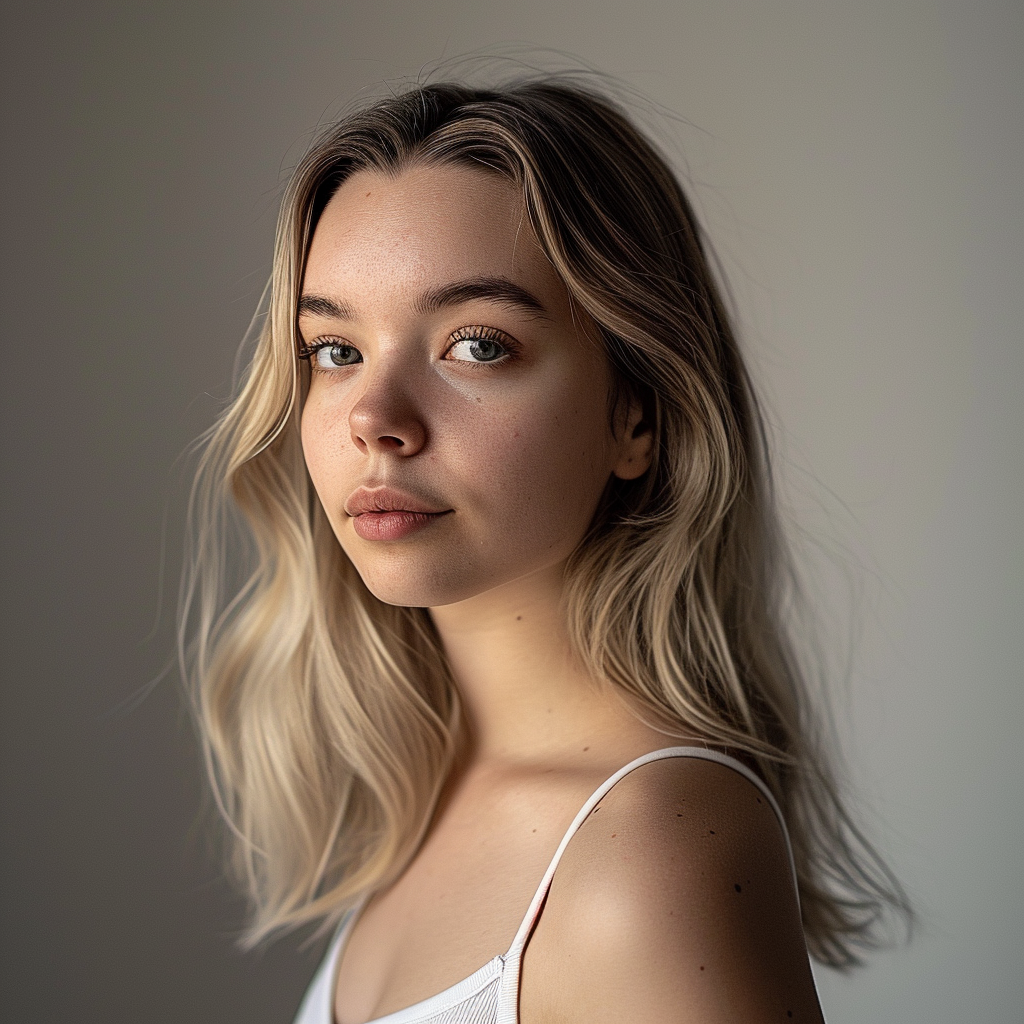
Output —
<point x="392" y="525"/>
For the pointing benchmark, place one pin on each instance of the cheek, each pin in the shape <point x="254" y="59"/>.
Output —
<point x="325" y="441"/>
<point x="539" y="470"/>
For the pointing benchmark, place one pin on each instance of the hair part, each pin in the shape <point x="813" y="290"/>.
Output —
<point x="329" y="719"/>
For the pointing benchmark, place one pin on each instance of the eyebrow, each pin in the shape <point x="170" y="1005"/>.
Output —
<point x="319" y="305"/>
<point x="491" y="289"/>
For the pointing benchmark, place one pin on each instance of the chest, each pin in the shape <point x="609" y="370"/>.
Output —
<point x="458" y="904"/>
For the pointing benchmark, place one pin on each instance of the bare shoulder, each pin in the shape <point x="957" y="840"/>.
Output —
<point x="673" y="903"/>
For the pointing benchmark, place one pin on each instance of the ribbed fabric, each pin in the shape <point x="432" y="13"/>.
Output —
<point x="491" y="994"/>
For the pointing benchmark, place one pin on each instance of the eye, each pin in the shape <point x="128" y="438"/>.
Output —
<point x="329" y="355"/>
<point x="480" y="345"/>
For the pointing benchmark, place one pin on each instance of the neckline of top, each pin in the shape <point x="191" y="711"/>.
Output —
<point x="484" y="975"/>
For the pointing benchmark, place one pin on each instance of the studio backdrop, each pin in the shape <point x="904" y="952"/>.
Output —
<point x="858" y="167"/>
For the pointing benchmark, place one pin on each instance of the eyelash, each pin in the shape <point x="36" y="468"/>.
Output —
<point x="308" y="351"/>
<point x="481" y="333"/>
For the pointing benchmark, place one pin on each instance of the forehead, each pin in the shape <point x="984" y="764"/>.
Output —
<point x="423" y="226"/>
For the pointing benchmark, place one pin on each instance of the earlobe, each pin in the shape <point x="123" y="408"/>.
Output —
<point x="636" y="448"/>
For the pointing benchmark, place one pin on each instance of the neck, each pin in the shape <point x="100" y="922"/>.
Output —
<point x="525" y="697"/>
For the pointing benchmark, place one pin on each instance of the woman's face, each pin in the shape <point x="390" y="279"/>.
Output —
<point x="456" y="427"/>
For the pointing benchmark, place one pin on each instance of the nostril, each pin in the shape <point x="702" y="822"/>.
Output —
<point x="390" y="441"/>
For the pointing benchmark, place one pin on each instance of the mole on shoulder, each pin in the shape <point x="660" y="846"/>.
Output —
<point x="738" y="887"/>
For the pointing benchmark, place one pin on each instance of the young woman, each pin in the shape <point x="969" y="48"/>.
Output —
<point x="516" y="595"/>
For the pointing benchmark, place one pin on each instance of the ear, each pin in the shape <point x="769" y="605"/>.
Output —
<point x="636" y="445"/>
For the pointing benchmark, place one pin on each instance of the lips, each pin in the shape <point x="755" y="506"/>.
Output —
<point x="389" y="499"/>
<point x="384" y="513"/>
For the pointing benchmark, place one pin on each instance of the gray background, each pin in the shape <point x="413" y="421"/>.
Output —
<point x="859" y="165"/>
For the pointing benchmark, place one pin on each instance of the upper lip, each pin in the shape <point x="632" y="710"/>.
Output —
<point x="387" y="499"/>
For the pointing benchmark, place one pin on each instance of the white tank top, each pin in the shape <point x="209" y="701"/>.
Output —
<point x="491" y="994"/>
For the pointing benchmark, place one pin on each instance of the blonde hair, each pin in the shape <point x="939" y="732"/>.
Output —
<point x="329" y="719"/>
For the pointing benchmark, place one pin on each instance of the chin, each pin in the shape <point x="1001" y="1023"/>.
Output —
<point x="418" y="586"/>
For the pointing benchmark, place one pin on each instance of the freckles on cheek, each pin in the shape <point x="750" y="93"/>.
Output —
<point x="562" y="460"/>
<point x="526" y="459"/>
<point x="324" y="435"/>
<point x="310" y="434"/>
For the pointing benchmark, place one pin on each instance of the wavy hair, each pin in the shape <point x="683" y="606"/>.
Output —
<point x="329" y="719"/>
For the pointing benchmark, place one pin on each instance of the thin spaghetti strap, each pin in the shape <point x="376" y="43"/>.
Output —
<point x="519" y="942"/>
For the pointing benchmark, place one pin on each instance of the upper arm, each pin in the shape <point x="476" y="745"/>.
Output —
<point x="674" y="903"/>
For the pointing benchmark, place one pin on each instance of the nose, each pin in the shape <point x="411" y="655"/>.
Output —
<point x="385" y="418"/>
